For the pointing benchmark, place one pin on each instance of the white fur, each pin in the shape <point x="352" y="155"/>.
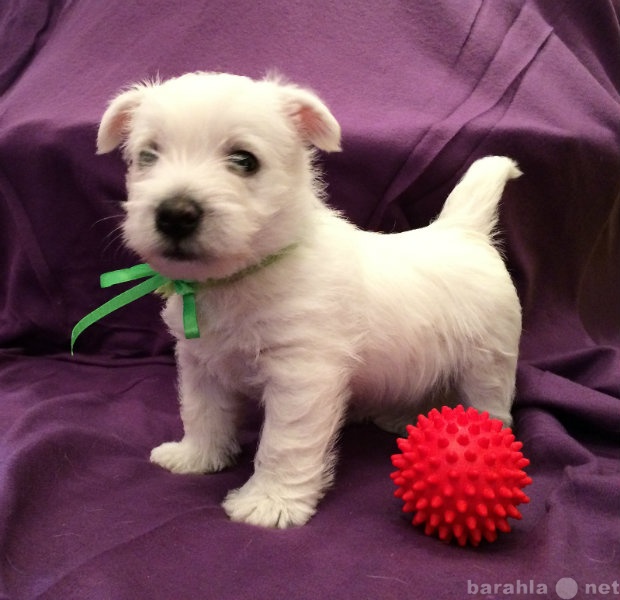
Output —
<point x="346" y="321"/>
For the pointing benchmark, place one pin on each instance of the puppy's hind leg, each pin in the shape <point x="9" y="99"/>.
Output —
<point x="395" y="420"/>
<point x="488" y="383"/>
<point x="209" y="415"/>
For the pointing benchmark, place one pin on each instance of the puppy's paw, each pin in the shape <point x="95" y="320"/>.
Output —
<point x="185" y="457"/>
<point x="256" y="506"/>
<point x="503" y="415"/>
<point x="396" y="424"/>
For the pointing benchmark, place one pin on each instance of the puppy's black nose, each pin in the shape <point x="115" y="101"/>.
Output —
<point x="178" y="217"/>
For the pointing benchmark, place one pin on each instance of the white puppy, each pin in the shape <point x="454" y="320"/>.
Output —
<point x="312" y="315"/>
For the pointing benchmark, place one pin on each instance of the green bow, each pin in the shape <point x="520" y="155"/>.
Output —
<point x="187" y="289"/>
<point x="155" y="281"/>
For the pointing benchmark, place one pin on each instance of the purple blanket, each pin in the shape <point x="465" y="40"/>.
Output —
<point x="421" y="89"/>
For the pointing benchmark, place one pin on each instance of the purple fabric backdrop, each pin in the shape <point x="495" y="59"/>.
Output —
<point x="421" y="89"/>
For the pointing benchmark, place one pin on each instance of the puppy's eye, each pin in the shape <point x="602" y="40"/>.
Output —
<point x="146" y="158"/>
<point x="243" y="162"/>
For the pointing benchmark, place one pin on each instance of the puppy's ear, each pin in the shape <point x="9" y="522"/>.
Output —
<point x="114" y="126"/>
<point x="311" y="118"/>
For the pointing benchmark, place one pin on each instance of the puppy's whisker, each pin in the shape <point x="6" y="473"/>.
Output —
<point x="114" y="237"/>
<point x="98" y="222"/>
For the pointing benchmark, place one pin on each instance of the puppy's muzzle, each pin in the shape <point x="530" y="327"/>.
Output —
<point x="178" y="217"/>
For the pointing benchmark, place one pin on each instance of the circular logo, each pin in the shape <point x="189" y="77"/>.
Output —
<point x="566" y="588"/>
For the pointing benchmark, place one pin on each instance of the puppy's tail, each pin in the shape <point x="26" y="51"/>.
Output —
<point x="473" y="202"/>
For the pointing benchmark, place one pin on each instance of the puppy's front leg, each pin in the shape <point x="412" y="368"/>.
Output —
<point x="209" y="415"/>
<point x="294" y="462"/>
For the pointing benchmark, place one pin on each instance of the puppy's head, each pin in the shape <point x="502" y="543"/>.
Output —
<point x="219" y="169"/>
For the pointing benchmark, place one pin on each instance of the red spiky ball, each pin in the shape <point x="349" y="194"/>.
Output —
<point x="461" y="473"/>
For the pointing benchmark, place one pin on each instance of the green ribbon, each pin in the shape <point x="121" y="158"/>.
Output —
<point x="186" y="289"/>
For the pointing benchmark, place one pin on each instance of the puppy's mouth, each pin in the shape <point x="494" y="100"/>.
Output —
<point x="178" y="262"/>
<point x="177" y="253"/>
